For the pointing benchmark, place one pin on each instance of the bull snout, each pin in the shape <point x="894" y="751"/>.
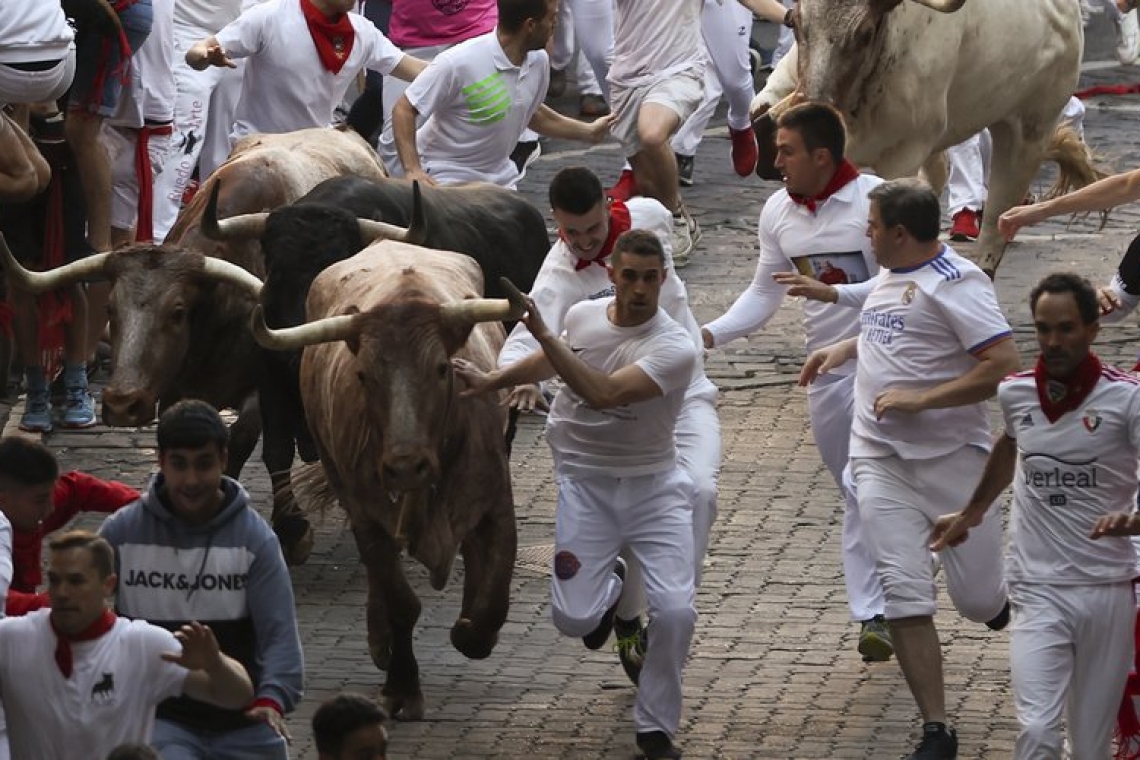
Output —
<point x="128" y="407"/>
<point x="408" y="469"/>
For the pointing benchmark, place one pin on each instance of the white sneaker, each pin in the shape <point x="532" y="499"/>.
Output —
<point x="1128" y="38"/>
<point x="686" y="235"/>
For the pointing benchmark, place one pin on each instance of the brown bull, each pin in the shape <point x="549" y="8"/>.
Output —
<point x="412" y="463"/>
<point x="176" y="331"/>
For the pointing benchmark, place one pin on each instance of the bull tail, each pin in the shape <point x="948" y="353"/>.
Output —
<point x="1078" y="166"/>
<point x="310" y="488"/>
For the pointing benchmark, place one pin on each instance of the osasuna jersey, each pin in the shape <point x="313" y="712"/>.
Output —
<point x="116" y="681"/>
<point x="921" y="327"/>
<point x="829" y="244"/>
<point x="1070" y="472"/>
<point x="635" y="439"/>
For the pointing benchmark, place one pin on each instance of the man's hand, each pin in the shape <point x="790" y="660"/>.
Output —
<point x="200" y="649"/>
<point x="599" y="129"/>
<point x="1116" y="524"/>
<point x="823" y="360"/>
<point x="807" y="287"/>
<point x="951" y="530"/>
<point x="1017" y="217"/>
<point x="707" y="338"/>
<point x="208" y="53"/>
<point x="899" y="400"/>
<point x="527" y="398"/>
<point x="1108" y="300"/>
<point x="421" y="176"/>
<point x="476" y="380"/>
<point x="269" y="715"/>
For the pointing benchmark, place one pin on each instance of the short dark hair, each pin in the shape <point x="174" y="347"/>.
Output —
<point x="911" y="203"/>
<point x="191" y="424"/>
<point x="514" y="13"/>
<point x="1067" y="282"/>
<point x="102" y="555"/>
<point x="641" y="243"/>
<point x="820" y="125"/>
<point x="338" y="717"/>
<point x="133" y="752"/>
<point x="25" y="462"/>
<point x="575" y="190"/>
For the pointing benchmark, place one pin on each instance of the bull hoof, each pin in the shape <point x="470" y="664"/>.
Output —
<point x="296" y="538"/>
<point x="381" y="652"/>
<point x="471" y="642"/>
<point x="408" y="708"/>
<point x="765" y="129"/>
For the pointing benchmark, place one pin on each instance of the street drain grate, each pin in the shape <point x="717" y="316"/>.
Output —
<point x="535" y="559"/>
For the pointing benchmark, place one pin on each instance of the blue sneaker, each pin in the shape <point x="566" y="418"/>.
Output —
<point x="80" y="409"/>
<point x="37" y="412"/>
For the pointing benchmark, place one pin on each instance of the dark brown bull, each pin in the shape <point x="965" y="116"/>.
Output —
<point x="177" y="331"/>
<point x="412" y="463"/>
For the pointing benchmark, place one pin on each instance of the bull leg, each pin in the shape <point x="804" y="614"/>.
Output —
<point x="244" y="432"/>
<point x="936" y="171"/>
<point x="289" y="521"/>
<point x="393" y="610"/>
<point x="1017" y="153"/>
<point x="488" y="562"/>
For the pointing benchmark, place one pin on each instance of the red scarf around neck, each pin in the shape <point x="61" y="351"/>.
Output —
<point x="1058" y="397"/>
<point x="844" y="173"/>
<point x="63" y="641"/>
<point x="619" y="222"/>
<point x="333" y="38"/>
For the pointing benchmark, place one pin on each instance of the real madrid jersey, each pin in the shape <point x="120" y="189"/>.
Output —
<point x="921" y="327"/>
<point x="1070" y="472"/>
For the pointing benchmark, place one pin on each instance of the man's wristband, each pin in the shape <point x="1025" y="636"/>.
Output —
<point x="791" y="24"/>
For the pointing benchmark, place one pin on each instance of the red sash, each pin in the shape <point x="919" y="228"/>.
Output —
<point x="144" y="173"/>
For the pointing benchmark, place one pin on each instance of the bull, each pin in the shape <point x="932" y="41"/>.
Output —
<point x="412" y="463"/>
<point x="177" y="331"/>
<point x="914" y="77"/>
<point x="504" y="233"/>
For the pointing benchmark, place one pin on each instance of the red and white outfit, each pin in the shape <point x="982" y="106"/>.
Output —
<point x="620" y="487"/>
<point x="1073" y="609"/>
<point x="825" y="239"/>
<point x="108" y="699"/>
<point x="921" y="327"/>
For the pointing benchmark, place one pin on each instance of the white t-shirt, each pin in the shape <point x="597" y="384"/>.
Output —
<point x="476" y="104"/>
<point x="33" y="30"/>
<point x="150" y="92"/>
<point x="116" y="681"/>
<point x="655" y="40"/>
<point x="831" y="245"/>
<point x="286" y="87"/>
<point x="205" y="16"/>
<point x="921" y="327"/>
<point x="636" y="439"/>
<point x="1071" y="472"/>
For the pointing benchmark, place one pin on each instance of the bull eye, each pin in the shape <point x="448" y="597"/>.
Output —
<point x="178" y="313"/>
<point x="360" y="377"/>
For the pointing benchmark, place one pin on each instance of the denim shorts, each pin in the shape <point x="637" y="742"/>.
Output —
<point x="99" y="61"/>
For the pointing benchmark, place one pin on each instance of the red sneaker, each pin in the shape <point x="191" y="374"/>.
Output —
<point x="964" y="226"/>
<point x="625" y="188"/>
<point x="744" y="151"/>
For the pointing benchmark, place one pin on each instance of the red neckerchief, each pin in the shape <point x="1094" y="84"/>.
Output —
<point x="844" y="173"/>
<point x="1058" y="397"/>
<point x="619" y="222"/>
<point x="63" y="641"/>
<point x="333" y="38"/>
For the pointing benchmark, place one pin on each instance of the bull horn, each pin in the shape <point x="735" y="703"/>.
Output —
<point x="371" y="230"/>
<point x="243" y="227"/>
<point x="942" y="6"/>
<point x="327" y="330"/>
<point x="225" y="271"/>
<point x="480" y="310"/>
<point x="90" y="268"/>
<point x="417" y="230"/>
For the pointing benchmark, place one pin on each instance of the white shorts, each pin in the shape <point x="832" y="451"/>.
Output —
<point x="18" y="86"/>
<point x="681" y="93"/>
<point x="120" y="143"/>
<point x="899" y="501"/>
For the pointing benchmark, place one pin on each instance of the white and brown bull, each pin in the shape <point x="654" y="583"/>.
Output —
<point x="914" y="77"/>
<point x="177" y="331"/>
<point x="412" y="463"/>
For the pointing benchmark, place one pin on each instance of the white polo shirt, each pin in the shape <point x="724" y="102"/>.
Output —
<point x="116" y="681"/>
<point x="1071" y="472"/>
<point x="285" y="86"/>
<point x="829" y="244"/>
<point x="476" y="104"/>
<point x="921" y="327"/>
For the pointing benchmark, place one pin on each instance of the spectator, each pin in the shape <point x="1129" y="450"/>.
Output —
<point x="350" y="727"/>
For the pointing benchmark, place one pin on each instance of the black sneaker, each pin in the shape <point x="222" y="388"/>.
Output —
<point x="1001" y="620"/>
<point x="656" y="744"/>
<point x="525" y="154"/>
<point x="595" y="638"/>
<point x="632" y="643"/>
<point x="938" y="743"/>
<point x="684" y="170"/>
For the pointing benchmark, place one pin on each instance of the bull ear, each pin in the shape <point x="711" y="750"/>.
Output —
<point x="454" y="333"/>
<point x="417" y="229"/>
<point x="883" y="7"/>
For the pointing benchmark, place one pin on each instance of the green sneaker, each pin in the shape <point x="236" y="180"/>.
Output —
<point x="631" y="645"/>
<point x="875" y="640"/>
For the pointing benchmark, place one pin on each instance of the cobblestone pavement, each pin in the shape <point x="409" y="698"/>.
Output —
<point x="773" y="671"/>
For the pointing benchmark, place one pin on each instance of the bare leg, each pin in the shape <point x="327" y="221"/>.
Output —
<point x="655" y="166"/>
<point x="82" y="130"/>
<point x="920" y="657"/>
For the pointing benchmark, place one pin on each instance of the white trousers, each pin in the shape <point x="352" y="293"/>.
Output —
<point x="969" y="173"/>
<point x="563" y="47"/>
<point x="120" y="143"/>
<point x="218" y="140"/>
<point x="830" y="408"/>
<point x="899" y="500"/>
<point x="594" y="33"/>
<point x="599" y="516"/>
<point x="1070" y="651"/>
<point x="726" y="30"/>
